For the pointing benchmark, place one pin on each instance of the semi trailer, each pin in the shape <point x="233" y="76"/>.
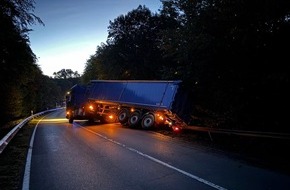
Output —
<point x="133" y="103"/>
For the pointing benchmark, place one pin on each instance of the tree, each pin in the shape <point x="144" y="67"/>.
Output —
<point x="65" y="74"/>
<point x="133" y="38"/>
<point x="232" y="54"/>
<point x="17" y="60"/>
<point x="23" y="86"/>
<point x="20" y="13"/>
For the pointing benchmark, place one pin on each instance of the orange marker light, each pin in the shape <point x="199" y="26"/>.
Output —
<point x="91" y="107"/>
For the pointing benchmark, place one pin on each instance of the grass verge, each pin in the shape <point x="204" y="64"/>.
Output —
<point x="13" y="159"/>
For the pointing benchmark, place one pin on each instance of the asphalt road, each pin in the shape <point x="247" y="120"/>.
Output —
<point x="109" y="156"/>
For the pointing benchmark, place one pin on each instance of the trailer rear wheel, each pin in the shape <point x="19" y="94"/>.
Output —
<point x="91" y="120"/>
<point x="70" y="120"/>
<point x="123" y="116"/>
<point x="134" y="119"/>
<point x="148" y="121"/>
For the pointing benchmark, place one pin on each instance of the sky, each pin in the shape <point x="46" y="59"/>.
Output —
<point x="74" y="29"/>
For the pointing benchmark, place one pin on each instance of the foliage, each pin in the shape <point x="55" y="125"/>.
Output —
<point x="66" y="73"/>
<point x="23" y="86"/>
<point x="231" y="56"/>
<point x="17" y="60"/>
<point x="20" y="13"/>
<point x="130" y="50"/>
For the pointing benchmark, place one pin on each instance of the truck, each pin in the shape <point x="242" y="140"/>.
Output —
<point x="134" y="103"/>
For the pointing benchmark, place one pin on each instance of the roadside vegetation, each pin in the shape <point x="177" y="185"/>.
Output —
<point x="13" y="159"/>
<point x="24" y="88"/>
<point x="231" y="56"/>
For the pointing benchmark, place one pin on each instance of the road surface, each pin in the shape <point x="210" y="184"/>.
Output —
<point x="110" y="156"/>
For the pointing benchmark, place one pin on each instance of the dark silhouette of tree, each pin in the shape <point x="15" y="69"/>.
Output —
<point x="20" y="13"/>
<point x="136" y="35"/>
<point x="19" y="74"/>
<point x="131" y="50"/>
<point x="65" y="74"/>
<point x="23" y="86"/>
<point x="231" y="56"/>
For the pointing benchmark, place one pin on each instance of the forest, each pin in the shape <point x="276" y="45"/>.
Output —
<point x="230" y="54"/>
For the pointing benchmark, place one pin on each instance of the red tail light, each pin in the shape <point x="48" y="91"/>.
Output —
<point x="176" y="128"/>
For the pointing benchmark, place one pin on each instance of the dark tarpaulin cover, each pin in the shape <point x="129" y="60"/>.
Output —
<point x="158" y="94"/>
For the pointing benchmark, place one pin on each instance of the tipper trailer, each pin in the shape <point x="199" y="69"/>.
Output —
<point x="144" y="103"/>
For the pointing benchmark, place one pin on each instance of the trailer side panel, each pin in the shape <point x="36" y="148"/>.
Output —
<point x="158" y="94"/>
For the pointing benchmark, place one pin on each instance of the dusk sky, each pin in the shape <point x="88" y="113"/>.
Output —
<point x="74" y="28"/>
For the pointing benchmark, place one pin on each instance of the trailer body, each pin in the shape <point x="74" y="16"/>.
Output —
<point x="131" y="102"/>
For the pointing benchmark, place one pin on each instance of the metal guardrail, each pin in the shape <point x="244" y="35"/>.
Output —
<point x="273" y="135"/>
<point x="9" y="136"/>
<point x="6" y="139"/>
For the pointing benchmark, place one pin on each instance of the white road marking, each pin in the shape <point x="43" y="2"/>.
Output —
<point x="26" y="178"/>
<point x="159" y="161"/>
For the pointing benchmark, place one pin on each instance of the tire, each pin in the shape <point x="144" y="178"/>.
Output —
<point x="123" y="116"/>
<point x="91" y="120"/>
<point x="70" y="120"/>
<point x="148" y="121"/>
<point x="134" y="119"/>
